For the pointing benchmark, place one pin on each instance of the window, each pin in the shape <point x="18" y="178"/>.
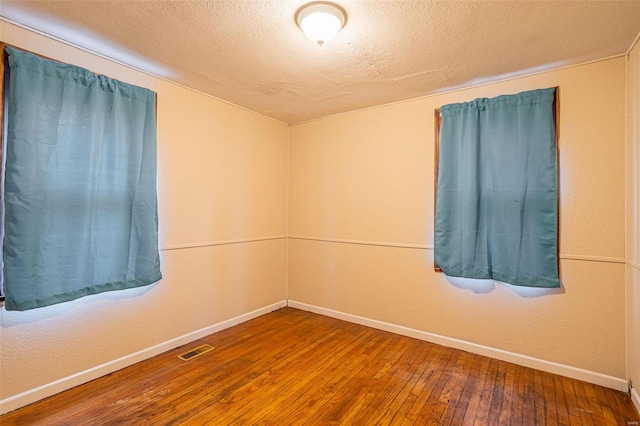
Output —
<point x="496" y="189"/>
<point x="80" y="209"/>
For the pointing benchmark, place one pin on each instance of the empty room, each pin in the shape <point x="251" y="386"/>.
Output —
<point x="358" y="212"/>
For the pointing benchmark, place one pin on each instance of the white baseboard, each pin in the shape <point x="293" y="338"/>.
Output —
<point x="515" y="358"/>
<point x="33" y="395"/>
<point x="635" y="397"/>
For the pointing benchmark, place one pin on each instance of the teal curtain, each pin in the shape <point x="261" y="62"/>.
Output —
<point x="80" y="184"/>
<point x="497" y="200"/>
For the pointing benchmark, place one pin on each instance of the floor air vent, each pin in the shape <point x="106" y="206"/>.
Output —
<point x="195" y="352"/>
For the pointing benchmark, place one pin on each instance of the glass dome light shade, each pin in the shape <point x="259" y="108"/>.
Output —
<point x="320" y="21"/>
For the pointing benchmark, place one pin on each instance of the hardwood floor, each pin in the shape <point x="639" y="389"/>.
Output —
<point x="293" y="367"/>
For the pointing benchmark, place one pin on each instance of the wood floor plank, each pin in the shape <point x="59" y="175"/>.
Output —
<point x="475" y="388"/>
<point x="482" y="412"/>
<point x="445" y="408"/>
<point x="586" y="414"/>
<point x="348" y="396"/>
<point x="560" y="409"/>
<point x="402" y="389"/>
<point x="328" y="397"/>
<point x="508" y="396"/>
<point x="313" y="395"/>
<point x="498" y="392"/>
<point x="420" y="391"/>
<point x="571" y="399"/>
<point x="283" y="385"/>
<point x="390" y="392"/>
<point x="292" y="367"/>
<point x="264" y="375"/>
<point x="294" y="392"/>
<point x="534" y="380"/>
<point x="430" y="406"/>
<point x="623" y="407"/>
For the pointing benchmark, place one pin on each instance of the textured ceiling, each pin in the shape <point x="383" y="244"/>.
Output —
<point x="251" y="53"/>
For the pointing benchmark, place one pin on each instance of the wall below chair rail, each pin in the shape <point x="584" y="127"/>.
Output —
<point x="222" y="182"/>
<point x="361" y="193"/>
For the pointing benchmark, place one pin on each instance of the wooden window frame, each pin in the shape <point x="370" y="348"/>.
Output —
<point x="3" y="103"/>
<point x="437" y="128"/>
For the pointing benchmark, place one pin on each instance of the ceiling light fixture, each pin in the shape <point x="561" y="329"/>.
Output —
<point x="320" y="21"/>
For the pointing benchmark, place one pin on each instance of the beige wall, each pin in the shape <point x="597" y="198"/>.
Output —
<point x="361" y="225"/>
<point x="633" y="217"/>
<point x="221" y="176"/>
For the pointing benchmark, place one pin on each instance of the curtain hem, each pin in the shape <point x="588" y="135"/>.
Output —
<point x="12" y="305"/>
<point x="505" y="278"/>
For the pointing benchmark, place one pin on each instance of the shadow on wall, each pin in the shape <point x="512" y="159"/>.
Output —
<point x="487" y="286"/>
<point x="83" y="306"/>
